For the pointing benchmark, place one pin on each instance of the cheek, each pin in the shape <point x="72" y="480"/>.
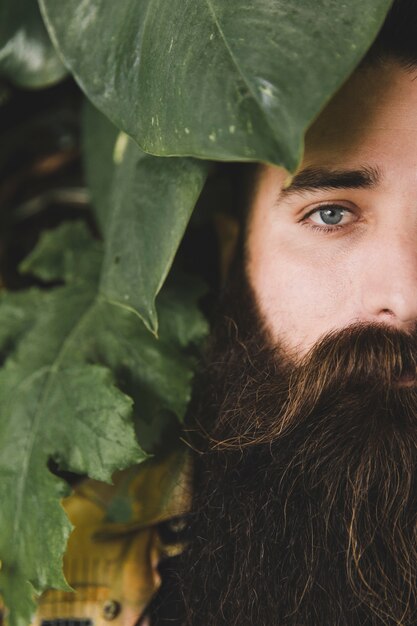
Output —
<point x="302" y="291"/>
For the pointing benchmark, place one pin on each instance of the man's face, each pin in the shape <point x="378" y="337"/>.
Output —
<point x="340" y="244"/>
<point x="305" y="491"/>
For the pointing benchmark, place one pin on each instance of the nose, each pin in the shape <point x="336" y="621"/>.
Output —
<point x="389" y="280"/>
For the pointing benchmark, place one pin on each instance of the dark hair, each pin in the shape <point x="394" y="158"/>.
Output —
<point x="397" y="37"/>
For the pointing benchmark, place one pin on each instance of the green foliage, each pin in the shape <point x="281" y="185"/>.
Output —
<point x="58" y="399"/>
<point x="235" y="80"/>
<point x="27" y="56"/>
<point x="143" y="205"/>
<point x="52" y="404"/>
<point x="82" y="379"/>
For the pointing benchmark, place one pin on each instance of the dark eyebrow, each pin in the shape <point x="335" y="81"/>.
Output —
<point x="327" y="179"/>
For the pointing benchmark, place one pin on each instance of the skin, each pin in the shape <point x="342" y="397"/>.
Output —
<point x="310" y="277"/>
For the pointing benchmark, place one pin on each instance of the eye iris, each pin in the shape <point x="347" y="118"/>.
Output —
<point x="331" y="215"/>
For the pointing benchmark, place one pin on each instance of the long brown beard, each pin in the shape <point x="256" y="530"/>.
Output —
<point x="305" y="500"/>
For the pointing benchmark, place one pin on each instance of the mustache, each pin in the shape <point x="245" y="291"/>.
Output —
<point x="363" y="353"/>
<point x="368" y="361"/>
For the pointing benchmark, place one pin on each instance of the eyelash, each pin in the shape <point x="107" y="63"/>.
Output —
<point x="329" y="228"/>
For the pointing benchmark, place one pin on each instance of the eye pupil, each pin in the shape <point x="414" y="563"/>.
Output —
<point x="331" y="215"/>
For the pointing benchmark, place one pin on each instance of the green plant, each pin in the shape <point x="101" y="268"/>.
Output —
<point x="87" y="355"/>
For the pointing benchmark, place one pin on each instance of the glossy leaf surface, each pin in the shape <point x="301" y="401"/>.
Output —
<point x="235" y="80"/>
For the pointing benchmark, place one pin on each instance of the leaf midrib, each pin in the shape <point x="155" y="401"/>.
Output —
<point x="239" y="68"/>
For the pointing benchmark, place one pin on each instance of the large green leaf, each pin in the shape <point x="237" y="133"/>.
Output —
<point x="235" y="79"/>
<point x="64" y="349"/>
<point x="143" y="204"/>
<point x="111" y="335"/>
<point x="27" y="56"/>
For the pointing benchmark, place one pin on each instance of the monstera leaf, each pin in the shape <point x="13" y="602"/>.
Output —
<point x="27" y="56"/>
<point x="143" y="204"/>
<point x="235" y="80"/>
<point x="64" y="349"/>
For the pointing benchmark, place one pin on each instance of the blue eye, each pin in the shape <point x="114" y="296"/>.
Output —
<point x="330" y="215"/>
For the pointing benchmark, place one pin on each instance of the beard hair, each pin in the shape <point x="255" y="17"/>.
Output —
<point x="305" y="501"/>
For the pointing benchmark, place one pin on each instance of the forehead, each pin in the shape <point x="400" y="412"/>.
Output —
<point x="369" y="118"/>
